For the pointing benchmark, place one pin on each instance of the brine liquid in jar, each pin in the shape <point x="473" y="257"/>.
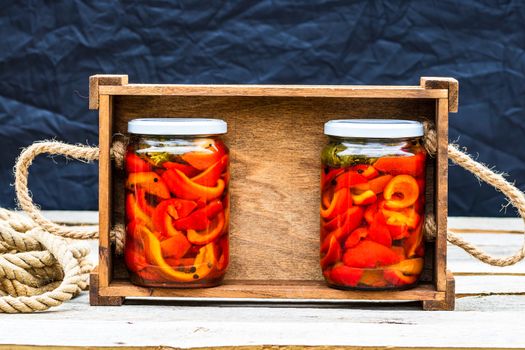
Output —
<point x="372" y="204"/>
<point x="177" y="202"/>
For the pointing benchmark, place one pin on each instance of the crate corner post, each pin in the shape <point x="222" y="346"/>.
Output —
<point x="444" y="279"/>
<point x="101" y="276"/>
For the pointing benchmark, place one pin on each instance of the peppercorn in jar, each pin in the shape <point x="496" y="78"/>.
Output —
<point x="177" y="202"/>
<point x="372" y="204"/>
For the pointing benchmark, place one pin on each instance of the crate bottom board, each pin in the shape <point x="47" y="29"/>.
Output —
<point x="265" y="290"/>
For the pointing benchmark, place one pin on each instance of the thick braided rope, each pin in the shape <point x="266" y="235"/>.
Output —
<point x="38" y="270"/>
<point x="79" y="152"/>
<point x="514" y="195"/>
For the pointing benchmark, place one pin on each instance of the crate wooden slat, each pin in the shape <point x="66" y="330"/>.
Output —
<point x="275" y="136"/>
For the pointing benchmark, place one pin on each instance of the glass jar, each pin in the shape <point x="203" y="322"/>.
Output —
<point x="177" y="202"/>
<point x="372" y="204"/>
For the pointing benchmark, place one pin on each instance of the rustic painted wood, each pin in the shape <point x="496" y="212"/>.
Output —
<point x="275" y="133"/>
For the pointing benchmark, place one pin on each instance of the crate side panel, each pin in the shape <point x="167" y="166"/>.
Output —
<point x="275" y="144"/>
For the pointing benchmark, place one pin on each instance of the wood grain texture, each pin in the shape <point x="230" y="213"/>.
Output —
<point x="105" y="189"/>
<point x="95" y="81"/>
<point x="275" y="144"/>
<point x="448" y="304"/>
<point x="249" y="289"/>
<point x="441" y="194"/>
<point x="347" y="91"/>
<point x="95" y="299"/>
<point x="451" y="84"/>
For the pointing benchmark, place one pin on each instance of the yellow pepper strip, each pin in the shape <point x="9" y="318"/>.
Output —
<point x="401" y="192"/>
<point x="134" y="212"/>
<point x="149" y="182"/>
<point x="208" y="235"/>
<point x="408" y="266"/>
<point x="204" y="261"/>
<point x="340" y="202"/>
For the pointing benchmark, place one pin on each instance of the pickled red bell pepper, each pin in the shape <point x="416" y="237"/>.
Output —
<point x="142" y="201"/>
<point x="409" y="165"/>
<point x="349" y="179"/>
<point x="340" y="201"/>
<point x="135" y="258"/>
<point x="203" y="264"/>
<point x="135" y="164"/>
<point x="344" y="275"/>
<point x="333" y="254"/>
<point x="376" y="185"/>
<point x="369" y="254"/>
<point x="378" y="230"/>
<point x="183" y="187"/>
<point x="414" y="241"/>
<point x="203" y="159"/>
<point x="188" y="170"/>
<point x="200" y="218"/>
<point x="354" y="215"/>
<point x="149" y="182"/>
<point x="401" y="192"/>
<point x="397" y="278"/>
<point x="134" y="212"/>
<point x="408" y="266"/>
<point x="210" y="176"/>
<point x="212" y="231"/>
<point x="176" y="246"/>
<point x="365" y="198"/>
<point x="355" y="237"/>
<point x="223" y="261"/>
<point x="326" y="178"/>
<point x="368" y="171"/>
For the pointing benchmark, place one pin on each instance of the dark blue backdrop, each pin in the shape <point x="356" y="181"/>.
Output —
<point x="49" y="48"/>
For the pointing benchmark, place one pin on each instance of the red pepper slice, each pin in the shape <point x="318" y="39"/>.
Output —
<point x="378" y="230"/>
<point x="345" y="276"/>
<point x="188" y="170"/>
<point x="200" y="218"/>
<point x="175" y="247"/>
<point x="326" y="178"/>
<point x="409" y="165"/>
<point x="397" y="278"/>
<point x="333" y="254"/>
<point x="354" y="216"/>
<point x="340" y="202"/>
<point x="368" y="171"/>
<point x="135" y="164"/>
<point x="349" y="179"/>
<point x="214" y="230"/>
<point x="150" y="182"/>
<point x="205" y="158"/>
<point x="135" y="259"/>
<point x="223" y="261"/>
<point x="210" y="176"/>
<point x="355" y="237"/>
<point x="183" y="187"/>
<point x="370" y="254"/>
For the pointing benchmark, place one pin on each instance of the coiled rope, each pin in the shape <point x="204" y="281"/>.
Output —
<point x="41" y="265"/>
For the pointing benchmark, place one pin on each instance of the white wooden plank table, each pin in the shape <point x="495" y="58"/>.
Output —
<point x="490" y="312"/>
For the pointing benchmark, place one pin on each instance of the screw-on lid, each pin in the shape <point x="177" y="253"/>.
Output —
<point x="374" y="128"/>
<point x="177" y="126"/>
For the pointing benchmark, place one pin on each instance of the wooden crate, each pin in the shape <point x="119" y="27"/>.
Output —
<point x="275" y="136"/>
